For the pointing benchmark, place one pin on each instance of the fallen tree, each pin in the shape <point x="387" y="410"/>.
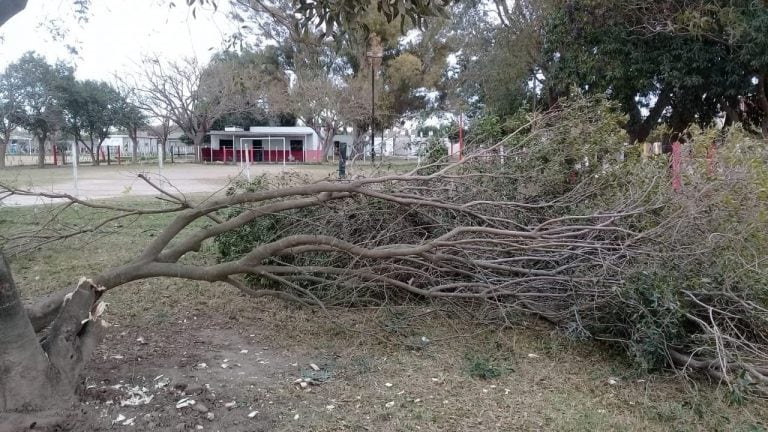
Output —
<point x="507" y="231"/>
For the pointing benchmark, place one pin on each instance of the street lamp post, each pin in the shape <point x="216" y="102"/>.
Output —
<point x="373" y="110"/>
<point x="373" y="54"/>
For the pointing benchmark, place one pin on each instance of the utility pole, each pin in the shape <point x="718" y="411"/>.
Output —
<point x="374" y="53"/>
<point x="373" y="110"/>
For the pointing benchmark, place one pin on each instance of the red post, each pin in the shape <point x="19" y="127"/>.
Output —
<point x="677" y="182"/>
<point x="55" y="156"/>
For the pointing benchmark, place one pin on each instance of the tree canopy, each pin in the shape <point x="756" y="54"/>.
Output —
<point x="38" y="88"/>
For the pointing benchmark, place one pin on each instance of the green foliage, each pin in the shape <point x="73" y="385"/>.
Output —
<point x="128" y="116"/>
<point x="39" y="86"/>
<point x="483" y="366"/>
<point x="702" y="288"/>
<point x="486" y="130"/>
<point x="655" y="316"/>
<point x="92" y="109"/>
<point x="342" y="16"/>
<point x="668" y="62"/>
<point x="555" y="152"/>
<point x="11" y="107"/>
<point x="232" y="245"/>
<point x="689" y="61"/>
<point x="434" y="155"/>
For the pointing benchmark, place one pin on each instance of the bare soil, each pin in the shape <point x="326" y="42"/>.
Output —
<point x="241" y="358"/>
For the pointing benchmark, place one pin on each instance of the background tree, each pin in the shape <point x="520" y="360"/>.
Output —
<point x="161" y="129"/>
<point x="11" y="110"/>
<point x="193" y="96"/>
<point x="331" y="79"/>
<point x="334" y="17"/>
<point x="258" y="80"/>
<point x="40" y="95"/>
<point x="93" y="108"/>
<point x="737" y="30"/>
<point x="131" y="118"/>
<point x="675" y="80"/>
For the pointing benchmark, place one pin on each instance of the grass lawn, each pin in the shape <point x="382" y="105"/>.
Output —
<point x="469" y="377"/>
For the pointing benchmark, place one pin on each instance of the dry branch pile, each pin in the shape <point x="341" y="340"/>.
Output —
<point x="604" y="251"/>
<point x="546" y="222"/>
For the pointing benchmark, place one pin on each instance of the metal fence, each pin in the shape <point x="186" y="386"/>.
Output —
<point x="28" y="156"/>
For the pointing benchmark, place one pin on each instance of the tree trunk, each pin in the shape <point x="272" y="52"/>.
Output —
<point x="358" y="144"/>
<point x="638" y="129"/>
<point x="134" y="148"/>
<point x="94" y="153"/>
<point x="24" y="378"/>
<point x="41" y="152"/>
<point x="98" y="152"/>
<point x="94" y="161"/>
<point x="326" y="141"/>
<point x="41" y="376"/>
<point x="4" y="148"/>
<point x="762" y="100"/>
<point x="197" y="140"/>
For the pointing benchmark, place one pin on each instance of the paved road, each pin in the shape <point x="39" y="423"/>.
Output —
<point x="115" y="182"/>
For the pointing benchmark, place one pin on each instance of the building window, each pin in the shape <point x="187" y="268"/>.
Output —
<point x="297" y="145"/>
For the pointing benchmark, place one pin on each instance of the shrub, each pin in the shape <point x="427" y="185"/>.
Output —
<point x="609" y="253"/>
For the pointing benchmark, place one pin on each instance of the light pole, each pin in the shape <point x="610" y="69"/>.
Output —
<point x="373" y="54"/>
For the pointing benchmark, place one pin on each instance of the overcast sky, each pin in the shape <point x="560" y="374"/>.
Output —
<point x="117" y="33"/>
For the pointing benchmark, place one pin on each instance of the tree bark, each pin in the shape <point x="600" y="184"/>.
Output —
<point x="135" y="148"/>
<point x="4" y="148"/>
<point x="197" y="140"/>
<point x="40" y="376"/>
<point x="762" y="99"/>
<point x="165" y="153"/>
<point x="41" y="150"/>
<point x="638" y="129"/>
<point x="41" y="154"/>
<point x="93" y="151"/>
<point x="98" y="150"/>
<point x="133" y="134"/>
<point x="24" y="365"/>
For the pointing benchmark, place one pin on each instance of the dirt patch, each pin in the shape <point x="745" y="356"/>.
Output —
<point x="242" y="372"/>
<point x="199" y="374"/>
